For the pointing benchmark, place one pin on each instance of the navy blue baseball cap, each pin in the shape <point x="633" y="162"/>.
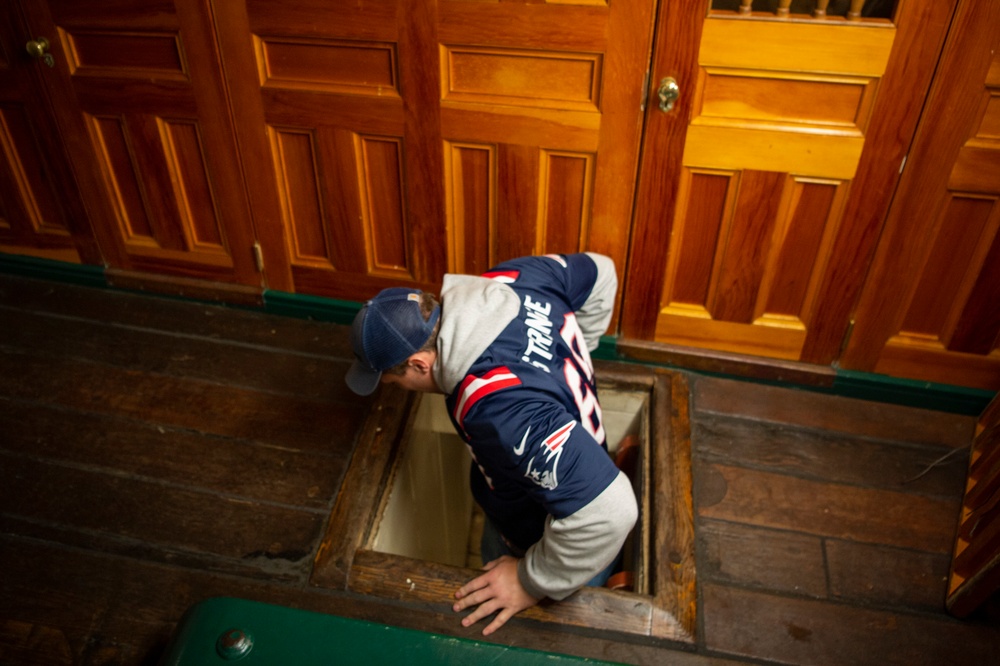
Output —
<point x="388" y="330"/>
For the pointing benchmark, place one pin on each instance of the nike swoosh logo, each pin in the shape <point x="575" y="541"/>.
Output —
<point x="518" y="450"/>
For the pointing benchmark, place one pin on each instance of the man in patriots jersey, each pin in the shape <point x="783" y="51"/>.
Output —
<point x="511" y="352"/>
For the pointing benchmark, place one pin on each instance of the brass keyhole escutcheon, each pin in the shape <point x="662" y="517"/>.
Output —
<point x="39" y="49"/>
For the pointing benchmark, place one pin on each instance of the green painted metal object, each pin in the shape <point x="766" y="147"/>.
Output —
<point x="223" y="630"/>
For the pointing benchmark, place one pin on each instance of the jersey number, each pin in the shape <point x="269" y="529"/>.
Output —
<point x="579" y="373"/>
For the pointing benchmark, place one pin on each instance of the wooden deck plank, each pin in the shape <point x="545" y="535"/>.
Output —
<point x="756" y="557"/>
<point x="161" y="516"/>
<point x="209" y="407"/>
<point x="805" y="631"/>
<point x="221" y="361"/>
<point x="238" y="467"/>
<point x="887" y="576"/>
<point x="830" y="412"/>
<point x="177" y="316"/>
<point x="868" y="515"/>
<point x="833" y="456"/>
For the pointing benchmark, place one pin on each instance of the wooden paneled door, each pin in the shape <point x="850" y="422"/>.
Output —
<point x="931" y="307"/>
<point x="41" y="213"/>
<point x="762" y="191"/>
<point x="141" y="101"/>
<point x="390" y="141"/>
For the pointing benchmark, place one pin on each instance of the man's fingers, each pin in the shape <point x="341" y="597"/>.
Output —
<point x="498" y="621"/>
<point x="473" y="585"/>
<point x="485" y="609"/>
<point x="474" y="598"/>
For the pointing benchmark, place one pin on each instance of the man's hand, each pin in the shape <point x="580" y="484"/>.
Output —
<point x="499" y="589"/>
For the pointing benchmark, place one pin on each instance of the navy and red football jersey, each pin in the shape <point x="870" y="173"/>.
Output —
<point x="528" y="406"/>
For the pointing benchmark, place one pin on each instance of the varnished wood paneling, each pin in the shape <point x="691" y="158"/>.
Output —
<point x="823" y="156"/>
<point x="567" y="190"/>
<point x="361" y="68"/>
<point x="706" y="198"/>
<point x="521" y="78"/>
<point x="470" y="179"/>
<point x="929" y="309"/>
<point x="296" y="171"/>
<point x="421" y="88"/>
<point x="141" y="99"/>
<point x="185" y="155"/>
<point x="807" y="46"/>
<point x="955" y="258"/>
<point x="786" y="99"/>
<point x="373" y="19"/>
<point x="525" y="25"/>
<point x="802" y="250"/>
<point x="132" y="54"/>
<point x="114" y="153"/>
<point x="41" y="213"/>
<point x="818" y="103"/>
<point x="517" y="201"/>
<point x="978" y="328"/>
<point x="385" y="221"/>
<point x="775" y="113"/>
<point x="30" y="205"/>
<point x="747" y="255"/>
<point x="745" y="252"/>
<point x="567" y="130"/>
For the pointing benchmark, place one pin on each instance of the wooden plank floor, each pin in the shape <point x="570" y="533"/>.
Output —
<point x="157" y="452"/>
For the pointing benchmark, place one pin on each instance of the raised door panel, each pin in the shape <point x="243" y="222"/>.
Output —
<point x="142" y="95"/>
<point x="393" y="141"/>
<point x="40" y="211"/>
<point x="761" y="189"/>
<point x="930" y="309"/>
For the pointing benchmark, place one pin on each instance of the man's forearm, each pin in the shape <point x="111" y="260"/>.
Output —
<point x="576" y="548"/>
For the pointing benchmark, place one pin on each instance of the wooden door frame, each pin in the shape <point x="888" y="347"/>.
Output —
<point x="921" y="29"/>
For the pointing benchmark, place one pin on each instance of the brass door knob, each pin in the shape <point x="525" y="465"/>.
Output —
<point x="39" y="49"/>
<point x="668" y="92"/>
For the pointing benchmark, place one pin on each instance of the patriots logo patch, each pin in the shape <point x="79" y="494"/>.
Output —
<point x="545" y="472"/>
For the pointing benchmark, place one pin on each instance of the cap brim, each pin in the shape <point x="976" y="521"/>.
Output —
<point x="362" y="379"/>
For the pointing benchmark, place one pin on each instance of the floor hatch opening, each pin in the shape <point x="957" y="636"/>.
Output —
<point x="405" y="525"/>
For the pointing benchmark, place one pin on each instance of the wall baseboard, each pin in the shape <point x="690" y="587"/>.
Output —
<point x="84" y="275"/>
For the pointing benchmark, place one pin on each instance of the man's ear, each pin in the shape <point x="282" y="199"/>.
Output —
<point x="421" y="362"/>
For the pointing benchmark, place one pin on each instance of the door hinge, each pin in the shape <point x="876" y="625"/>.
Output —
<point x="645" y="93"/>
<point x="847" y="338"/>
<point x="258" y="257"/>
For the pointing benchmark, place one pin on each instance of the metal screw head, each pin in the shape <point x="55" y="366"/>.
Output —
<point x="234" y="644"/>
